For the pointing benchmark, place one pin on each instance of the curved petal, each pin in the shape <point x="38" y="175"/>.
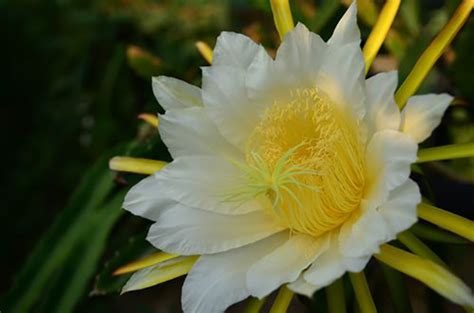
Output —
<point x="218" y="281"/>
<point x="234" y="49"/>
<point x="346" y="30"/>
<point x="341" y="78"/>
<point x="332" y="264"/>
<point x="382" y="111"/>
<point x="227" y="103"/>
<point x="388" y="158"/>
<point x="303" y="287"/>
<point x="186" y="231"/>
<point x="375" y="226"/>
<point x="190" y="132"/>
<point x="399" y="211"/>
<point x="173" y="93"/>
<point x="296" y="66"/>
<point x="363" y="235"/>
<point x="144" y="199"/>
<point x="284" y="264"/>
<point x="422" y="114"/>
<point x="299" y="57"/>
<point x="205" y="182"/>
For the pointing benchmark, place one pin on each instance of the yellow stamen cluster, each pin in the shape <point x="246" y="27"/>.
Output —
<point x="306" y="156"/>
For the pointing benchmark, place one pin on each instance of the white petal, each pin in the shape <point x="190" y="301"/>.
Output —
<point x="388" y="158"/>
<point x="285" y="263"/>
<point x="204" y="182"/>
<point x="302" y="287"/>
<point x="332" y="264"/>
<point x="299" y="57"/>
<point x="188" y="231"/>
<point x="145" y="200"/>
<point x="173" y="93"/>
<point x="377" y="225"/>
<point x="422" y="114"/>
<point x="218" y="281"/>
<point x="262" y="78"/>
<point x="399" y="212"/>
<point x="382" y="111"/>
<point x="342" y="78"/>
<point x="296" y="66"/>
<point x="346" y="30"/>
<point x="188" y="132"/>
<point x="364" y="235"/>
<point x="226" y="101"/>
<point x="234" y="49"/>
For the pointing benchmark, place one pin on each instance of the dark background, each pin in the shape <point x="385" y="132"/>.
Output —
<point x="75" y="74"/>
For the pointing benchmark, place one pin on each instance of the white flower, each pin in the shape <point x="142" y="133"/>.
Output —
<point x="293" y="170"/>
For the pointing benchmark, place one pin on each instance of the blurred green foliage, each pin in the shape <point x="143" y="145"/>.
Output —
<point x="75" y="76"/>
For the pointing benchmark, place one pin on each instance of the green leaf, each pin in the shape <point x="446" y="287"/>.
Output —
<point x="57" y="243"/>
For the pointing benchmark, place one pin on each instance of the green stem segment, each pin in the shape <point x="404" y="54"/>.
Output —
<point x="447" y="220"/>
<point x="455" y="151"/>
<point x="362" y="292"/>
<point x="335" y="297"/>
<point x="282" y="301"/>
<point x="254" y="305"/>
<point x="418" y="247"/>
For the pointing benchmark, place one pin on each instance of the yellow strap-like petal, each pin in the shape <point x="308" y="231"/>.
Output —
<point x="282" y="16"/>
<point x="362" y="292"/>
<point x="447" y="220"/>
<point x="433" y="275"/>
<point x="418" y="247"/>
<point x="432" y="53"/>
<point x="150" y="260"/>
<point x="254" y="305"/>
<point x="151" y="119"/>
<point x="282" y="301"/>
<point x="160" y="273"/>
<point x="205" y="51"/>
<point x="455" y="151"/>
<point x="135" y="165"/>
<point x="380" y="31"/>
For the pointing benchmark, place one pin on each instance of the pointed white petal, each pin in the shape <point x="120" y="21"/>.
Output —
<point x="382" y="111"/>
<point x="346" y="30"/>
<point x="145" y="200"/>
<point x="299" y="57"/>
<point x="235" y="50"/>
<point x="226" y="101"/>
<point x="205" y="182"/>
<point x="285" y="263"/>
<point x="173" y="93"/>
<point x="422" y="114"/>
<point x="388" y="158"/>
<point x="186" y="231"/>
<point x="302" y="287"/>
<point x="296" y="66"/>
<point x="341" y="78"/>
<point x="218" y="281"/>
<point x="188" y="132"/>
<point x="399" y="212"/>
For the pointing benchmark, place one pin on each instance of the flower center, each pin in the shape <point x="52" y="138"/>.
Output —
<point x="307" y="157"/>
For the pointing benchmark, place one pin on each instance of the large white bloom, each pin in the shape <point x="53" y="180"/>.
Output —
<point x="287" y="170"/>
